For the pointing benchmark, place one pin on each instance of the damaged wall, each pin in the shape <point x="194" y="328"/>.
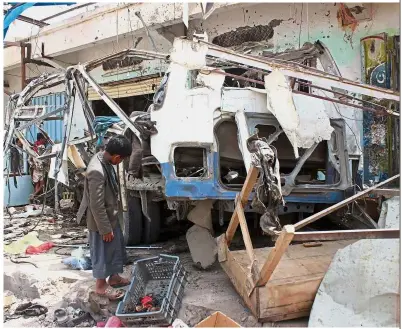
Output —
<point x="289" y="26"/>
<point x="295" y="24"/>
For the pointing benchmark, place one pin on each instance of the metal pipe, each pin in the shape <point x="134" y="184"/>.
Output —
<point x="38" y="119"/>
<point x="311" y="95"/>
<point x="379" y="107"/>
<point x="87" y="246"/>
<point x="23" y="69"/>
<point x="346" y="103"/>
<point x="138" y="14"/>
<point x="68" y="10"/>
<point x="301" y="73"/>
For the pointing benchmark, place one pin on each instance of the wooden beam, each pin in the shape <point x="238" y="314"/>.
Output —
<point x="275" y="254"/>
<point x="245" y="232"/>
<point x="248" y="186"/>
<point x="341" y="204"/>
<point x="347" y="235"/>
<point x="11" y="44"/>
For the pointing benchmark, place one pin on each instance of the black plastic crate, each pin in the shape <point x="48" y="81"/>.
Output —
<point x="165" y="278"/>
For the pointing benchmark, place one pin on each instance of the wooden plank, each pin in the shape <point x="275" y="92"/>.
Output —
<point x="75" y="157"/>
<point x="297" y="262"/>
<point x="341" y="204"/>
<point x="347" y="235"/>
<point x="290" y="293"/>
<point x="248" y="186"/>
<point x="222" y="246"/>
<point x="245" y="232"/>
<point x="276" y="254"/>
<point x="239" y="278"/>
<point x="232" y="227"/>
<point x="289" y="312"/>
<point x="291" y="290"/>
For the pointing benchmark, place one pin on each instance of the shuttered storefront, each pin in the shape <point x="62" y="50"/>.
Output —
<point x="128" y="89"/>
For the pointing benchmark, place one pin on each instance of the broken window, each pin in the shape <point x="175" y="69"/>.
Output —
<point x="231" y="164"/>
<point x="316" y="170"/>
<point x="190" y="161"/>
<point x="303" y="85"/>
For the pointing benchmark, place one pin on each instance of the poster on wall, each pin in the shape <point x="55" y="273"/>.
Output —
<point x="376" y="72"/>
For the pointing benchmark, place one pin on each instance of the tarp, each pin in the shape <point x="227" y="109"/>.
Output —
<point x="12" y="14"/>
<point x="101" y="124"/>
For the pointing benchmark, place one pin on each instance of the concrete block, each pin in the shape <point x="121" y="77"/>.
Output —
<point x="202" y="246"/>
<point x="361" y="287"/>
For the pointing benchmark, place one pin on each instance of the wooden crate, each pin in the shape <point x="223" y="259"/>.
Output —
<point x="280" y="283"/>
<point x="217" y="320"/>
<point x="291" y="290"/>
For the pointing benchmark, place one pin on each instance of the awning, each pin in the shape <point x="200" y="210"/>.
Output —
<point x="129" y="89"/>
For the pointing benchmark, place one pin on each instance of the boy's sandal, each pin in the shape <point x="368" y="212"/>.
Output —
<point x="121" y="283"/>
<point x="30" y="309"/>
<point x="113" y="294"/>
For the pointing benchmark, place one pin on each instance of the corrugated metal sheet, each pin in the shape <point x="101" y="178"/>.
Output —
<point x="137" y="88"/>
<point x="53" y="128"/>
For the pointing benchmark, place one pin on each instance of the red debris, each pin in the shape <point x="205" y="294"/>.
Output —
<point x="31" y="250"/>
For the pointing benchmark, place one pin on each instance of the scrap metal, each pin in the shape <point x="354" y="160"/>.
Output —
<point x="299" y="72"/>
<point x="78" y="76"/>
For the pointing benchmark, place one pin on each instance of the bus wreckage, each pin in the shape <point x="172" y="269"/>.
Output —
<point x="215" y="114"/>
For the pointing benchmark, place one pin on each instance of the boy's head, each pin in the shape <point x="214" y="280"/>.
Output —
<point x="118" y="148"/>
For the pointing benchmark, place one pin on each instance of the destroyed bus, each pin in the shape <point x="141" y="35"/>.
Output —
<point x="216" y="113"/>
<point x="211" y="103"/>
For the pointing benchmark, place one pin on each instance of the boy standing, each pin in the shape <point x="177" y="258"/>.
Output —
<point x="101" y="201"/>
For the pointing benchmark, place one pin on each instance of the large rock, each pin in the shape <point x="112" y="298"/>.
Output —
<point x="361" y="287"/>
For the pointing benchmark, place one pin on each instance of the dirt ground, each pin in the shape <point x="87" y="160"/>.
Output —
<point x="54" y="286"/>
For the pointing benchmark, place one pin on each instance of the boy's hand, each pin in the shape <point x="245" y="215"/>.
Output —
<point x="108" y="237"/>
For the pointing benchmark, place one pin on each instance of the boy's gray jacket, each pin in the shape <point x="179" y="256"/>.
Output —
<point x="100" y="200"/>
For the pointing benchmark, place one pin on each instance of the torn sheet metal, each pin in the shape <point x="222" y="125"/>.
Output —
<point x="243" y="135"/>
<point x="62" y="176"/>
<point x="314" y="125"/>
<point x="185" y="13"/>
<point x="210" y="79"/>
<point x="305" y="120"/>
<point x="280" y="104"/>
<point x="75" y="157"/>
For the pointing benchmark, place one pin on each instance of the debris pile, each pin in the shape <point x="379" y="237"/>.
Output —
<point x="148" y="303"/>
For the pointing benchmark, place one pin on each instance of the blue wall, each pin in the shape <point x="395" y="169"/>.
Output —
<point x="53" y="128"/>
